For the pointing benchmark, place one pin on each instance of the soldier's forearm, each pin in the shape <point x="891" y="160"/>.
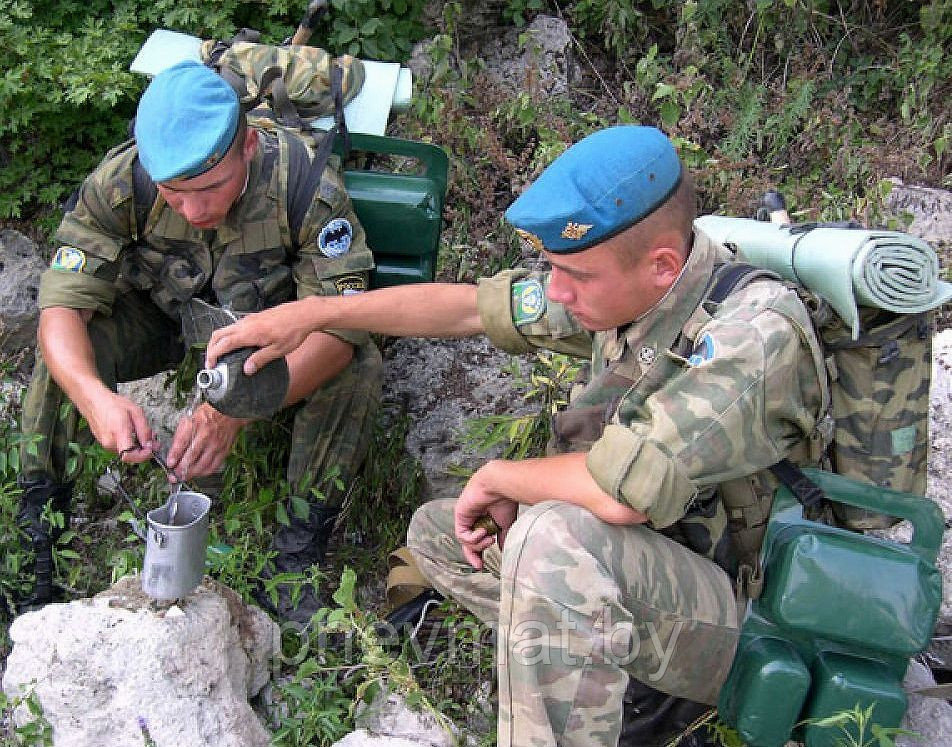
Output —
<point x="563" y="477"/>
<point x="316" y="361"/>
<point x="418" y="310"/>
<point x="69" y="355"/>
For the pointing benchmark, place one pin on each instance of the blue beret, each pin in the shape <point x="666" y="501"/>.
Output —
<point x="186" y="121"/>
<point x="596" y="189"/>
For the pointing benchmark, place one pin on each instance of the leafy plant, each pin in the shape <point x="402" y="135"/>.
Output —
<point x="521" y="436"/>
<point x="35" y="729"/>
<point x="376" y="29"/>
<point x="857" y="728"/>
<point x="518" y="12"/>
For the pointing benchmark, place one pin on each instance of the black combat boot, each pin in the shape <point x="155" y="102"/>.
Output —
<point x="37" y="493"/>
<point x="652" y="718"/>
<point x="300" y="546"/>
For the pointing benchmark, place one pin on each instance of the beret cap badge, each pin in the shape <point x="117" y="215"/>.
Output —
<point x="576" y="231"/>
<point x="531" y="241"/>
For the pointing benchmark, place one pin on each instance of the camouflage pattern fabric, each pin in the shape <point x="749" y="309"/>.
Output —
<point x="579" y="607"/>
<point x="138" y="284"/>
<point x="305" y="71"/>
<point x="133" y="342"/>
<point x="331" y="428"/>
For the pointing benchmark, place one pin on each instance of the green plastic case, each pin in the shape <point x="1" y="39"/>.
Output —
<point x="400" y="211"/>
<point x="838" y="619"/>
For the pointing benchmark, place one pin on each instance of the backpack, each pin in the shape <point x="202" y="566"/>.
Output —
<point x="878" y="416"/>
<point x="294" y="83"/>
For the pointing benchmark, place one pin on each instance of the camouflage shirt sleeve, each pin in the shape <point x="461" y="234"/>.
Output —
<point x="334" y="258"/>
<point x="518" y="317"/>
<point x="91" y="237"/>
<point x="740" y="404"/>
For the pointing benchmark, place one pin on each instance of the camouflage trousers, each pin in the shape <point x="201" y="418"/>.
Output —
<point x="580" y="606"/>
<point x="331" y="428"/>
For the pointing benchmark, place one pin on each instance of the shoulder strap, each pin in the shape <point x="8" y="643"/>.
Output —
<point x="299" y="163"/>
<point x="301" y="191"/>
<point x="807" y="492"/>
<point x="731" y="276"/>
<point x="144" y="193"/>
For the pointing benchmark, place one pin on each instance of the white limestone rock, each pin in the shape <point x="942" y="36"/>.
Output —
<point x="102" y="667"/>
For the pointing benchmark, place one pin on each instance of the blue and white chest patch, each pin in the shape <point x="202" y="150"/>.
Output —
<point x="528" y="301"/>
<point x="335" y="238"/>
<point x="704" y="350"/>
<point x="68" y="258"/>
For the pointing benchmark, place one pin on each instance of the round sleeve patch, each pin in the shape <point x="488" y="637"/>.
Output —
<point x="68" y="258"/>
<point x="335" y="238"/>
<point x="528" y="301"/>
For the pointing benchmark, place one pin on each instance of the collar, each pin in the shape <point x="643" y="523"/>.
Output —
<point x="659" y="327"/>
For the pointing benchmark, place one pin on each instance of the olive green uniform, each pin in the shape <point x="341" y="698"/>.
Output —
<point x="582" y="605"/>
<point x="137" y="284"/>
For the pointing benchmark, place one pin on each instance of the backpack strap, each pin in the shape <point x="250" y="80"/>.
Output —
<point x="299" y="164"/>
<point x="807" y="492"/>
<point x="732" y="276"/>
<point x="726" y="278"/>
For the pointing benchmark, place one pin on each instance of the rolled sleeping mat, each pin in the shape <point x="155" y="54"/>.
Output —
<point x="846" y="267"/>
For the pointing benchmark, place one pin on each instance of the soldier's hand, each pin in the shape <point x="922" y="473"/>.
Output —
<point x="275" y="331"/>
<point x="120" y="425"/>
<point x="202" y="442"/>
<point x="476" y="502"/>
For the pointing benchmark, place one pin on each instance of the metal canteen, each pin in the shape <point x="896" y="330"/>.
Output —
<point x="231" y="392"/>
<point x="176" y="542"/>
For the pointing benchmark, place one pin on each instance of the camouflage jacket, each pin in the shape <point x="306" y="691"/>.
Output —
<point x="248" y="263"/>
<point x="667" y="435"/>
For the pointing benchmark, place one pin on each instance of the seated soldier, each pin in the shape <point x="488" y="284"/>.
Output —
<point x="214" y="227"/>
<point x="612" y="558"/>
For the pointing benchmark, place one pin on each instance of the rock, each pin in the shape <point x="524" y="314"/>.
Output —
<point x="931" y="210"/>
<point x="421" y="61"/>
<point x="929" y="718"/>
<point x="102" y="666"/>
<point x="940" y="456"/>
<point x="363" y="738"/>
<point x="156" y="396"/>
<point x="442" y="384"/>
<point x="20" y="270"/>
<point x="389" y="716"/>
<point x="537" y="60"/>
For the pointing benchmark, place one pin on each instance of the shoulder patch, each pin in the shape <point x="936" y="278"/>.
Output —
<point x="528" y="301"/>
<point x="334" y="239"/>
<point x="68" y="258"/>
<point x="704" y="350"/>
<point x="348" y="285"/>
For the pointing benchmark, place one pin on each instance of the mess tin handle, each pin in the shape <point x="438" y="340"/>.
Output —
<point x="927" y="521"/>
